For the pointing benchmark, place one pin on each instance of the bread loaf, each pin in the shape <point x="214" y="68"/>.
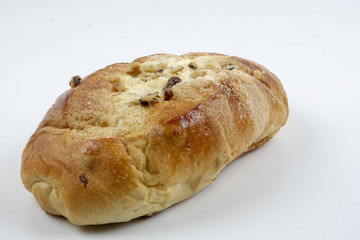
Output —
<point x="134" y="138"/>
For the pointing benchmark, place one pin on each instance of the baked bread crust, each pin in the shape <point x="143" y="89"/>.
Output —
<point x="121" y="143"/>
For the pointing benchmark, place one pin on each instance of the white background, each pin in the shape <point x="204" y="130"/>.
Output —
<point x="303" y="184"/>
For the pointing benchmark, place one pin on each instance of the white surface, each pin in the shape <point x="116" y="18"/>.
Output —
<point x="304" y="184"/>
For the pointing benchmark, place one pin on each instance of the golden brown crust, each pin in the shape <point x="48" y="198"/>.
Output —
<point x="99" y="156"/>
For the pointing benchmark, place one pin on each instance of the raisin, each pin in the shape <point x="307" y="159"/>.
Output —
<point x="144" y="103"/>
<point x="172" y="81"/>
<point x="168" y="93"/>
<point x="192" y="66"/>
<point x="83" y="179"/>
<point x="149" y="99"/>
<point x="75" y="80"/>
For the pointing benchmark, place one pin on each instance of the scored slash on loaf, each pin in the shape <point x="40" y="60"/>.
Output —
<point x="134" y="138"/>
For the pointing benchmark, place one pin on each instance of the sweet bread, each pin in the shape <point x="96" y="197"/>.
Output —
<point x="135" y="138"/>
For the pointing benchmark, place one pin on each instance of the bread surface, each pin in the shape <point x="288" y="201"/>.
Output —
<point x="135" y="138"/>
